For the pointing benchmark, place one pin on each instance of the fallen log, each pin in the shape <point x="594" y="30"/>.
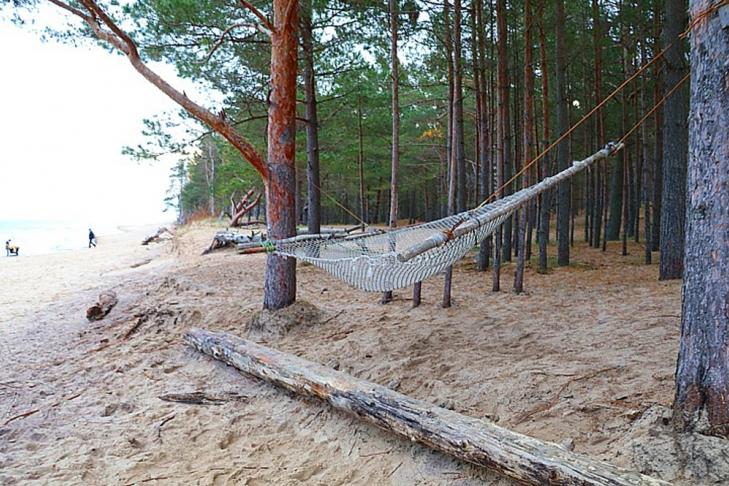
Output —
<point x="476" y="441"/>
<point x="223" y="239"/>
<point x="107" y="300"/>
<point x="156" y="236"/>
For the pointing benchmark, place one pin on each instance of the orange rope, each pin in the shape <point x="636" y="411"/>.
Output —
<point x="655" y="107"/>
<point x="702" y="16"/>
<point x="694" y="22"/>
<point x="580" y="122"/>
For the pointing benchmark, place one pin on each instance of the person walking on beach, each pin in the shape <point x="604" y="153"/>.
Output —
<point x="92" y="239"/>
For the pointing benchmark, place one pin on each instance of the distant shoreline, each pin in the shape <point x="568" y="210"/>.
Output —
<point x="39" y="237"/>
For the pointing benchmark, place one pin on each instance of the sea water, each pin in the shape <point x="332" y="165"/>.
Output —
<point x="39" y="237"/>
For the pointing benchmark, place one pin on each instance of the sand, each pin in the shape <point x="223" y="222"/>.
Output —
<point x="584" y="358"/>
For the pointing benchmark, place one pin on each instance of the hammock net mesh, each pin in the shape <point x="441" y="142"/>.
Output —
<point x="387" y="260"/>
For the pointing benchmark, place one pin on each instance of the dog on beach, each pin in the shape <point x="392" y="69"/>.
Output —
<point x="11" y="249"/>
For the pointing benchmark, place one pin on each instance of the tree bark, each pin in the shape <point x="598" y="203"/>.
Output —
<point x="313" y="220"/>
<point x="675" y="145"/>
<point x="476" y="441"/>
<point x="702" y="372"/>
<point x="563" y="190"/>
<point x="280" y="280"/>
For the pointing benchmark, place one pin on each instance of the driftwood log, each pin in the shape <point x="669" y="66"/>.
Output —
<point x="226" y="238"/>
<point x="107" y="300"/>
<point x="479" y="442"/>
<point x="156" y="236"/>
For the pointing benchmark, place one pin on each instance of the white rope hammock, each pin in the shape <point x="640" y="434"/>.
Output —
<point x="383" y="261"/>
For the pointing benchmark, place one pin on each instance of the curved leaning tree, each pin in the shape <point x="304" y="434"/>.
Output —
<point x="108" y="22"/>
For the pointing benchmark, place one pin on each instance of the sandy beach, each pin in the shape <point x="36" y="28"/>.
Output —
<point x="585" y="358"/>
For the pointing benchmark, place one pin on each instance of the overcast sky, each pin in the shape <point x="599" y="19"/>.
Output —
<point x="66" y="113"/>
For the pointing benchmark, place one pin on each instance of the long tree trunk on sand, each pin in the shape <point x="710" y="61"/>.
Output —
<point x="280" y="284"/>
<point x="528" y="140"/>
<point x="312" y="123"/>
<point x="563" y="190"/>
<point x="675" y="143"/>
<point x="395" y="161"/>
<point x="702" y="374"/>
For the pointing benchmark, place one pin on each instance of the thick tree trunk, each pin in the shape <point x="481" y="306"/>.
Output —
<point x="675" y="145"/>
<point x="312" y="123"/>
<point x="702" y="373"/>
<point x="280" y="280"/>
<point x="479" y="442"/>
<point x="563" y="190"/>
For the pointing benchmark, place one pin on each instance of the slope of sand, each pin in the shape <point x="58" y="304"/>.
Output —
<point x="585" y="358"/>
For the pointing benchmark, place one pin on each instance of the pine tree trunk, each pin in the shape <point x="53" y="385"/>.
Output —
<point x="702" y="374"/>
<point x="545" y="200"/>
<point x="280" y="279"/>
<point x="360" y="164"/>
<point x="458" y="139"/>
<point x="647" y="174"/>
<point x="395" y="161"/>
<point x="483" y="128"/>
<point x="657" y="129"/>
<point x="563" y="190"/>
<point x="312" y="124"/>
<point x="675" y="143"/>
<point x="484" y="132"/>
<point x="450" y="150"/>
<point x="502" y="131"/>
<point x="528" y="133"/>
